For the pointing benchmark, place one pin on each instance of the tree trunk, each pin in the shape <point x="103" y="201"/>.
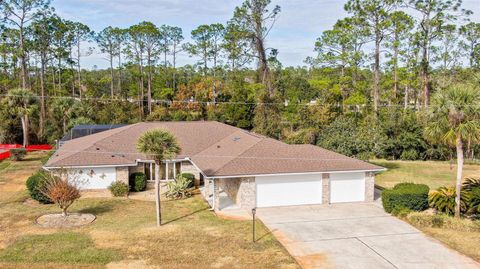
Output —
<point x="24" y="119"/>
<point x="42" y="95"/>
<point x="458" y="184"/>
<point x="119" y="90"/>
<point x="149" y="84"/>
<point x="376" y="71"/>
<point x="157" y="193"/>
<point x="23" y="61"/>
<point x="174" y="85"/>
<point x="395" y="71"/>
<point x="79" y="70"/>
<point x="64" y="212"/>
<point x="111" y="74"/>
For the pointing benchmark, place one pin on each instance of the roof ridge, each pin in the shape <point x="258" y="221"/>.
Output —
<point x="261" y="139"/>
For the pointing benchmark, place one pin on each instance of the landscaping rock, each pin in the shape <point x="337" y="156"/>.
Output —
<point x="59" y="221"/>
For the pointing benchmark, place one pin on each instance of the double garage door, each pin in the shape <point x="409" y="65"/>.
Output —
<point x="289" y="190"/>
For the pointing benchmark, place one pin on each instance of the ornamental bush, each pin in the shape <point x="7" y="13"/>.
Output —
<point x="178" y="189"/>
<point x="118" y="189"/>
<point x="138" y="182"/>
<point x="35" y="183"/>
<point x="18" y="154"/>
<point x="190" y="178"/>
<point x="406" y="196"/>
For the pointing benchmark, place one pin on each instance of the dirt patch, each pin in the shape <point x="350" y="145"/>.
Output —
<point x="107" y="239"/>
<point x="314" y="261"/>
<point x="225" y="262"/>
<point x="130" y="264"/>
<point x="69" y="221"/>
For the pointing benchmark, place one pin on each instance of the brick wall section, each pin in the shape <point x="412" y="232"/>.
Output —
<point x="369" y="186"/>
<point x="247" y="198"/>
<point x="242" y="191"/>
<point x="216" y="195"/>
<point x="325" y="188"/>
<point x="137" y="169"/>
<point x="122" y="174"/>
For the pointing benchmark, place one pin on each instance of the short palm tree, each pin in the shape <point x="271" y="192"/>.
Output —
<point x="22" y="103"/>
<point x="159" y="145"/>
<point x="453" y="118"/>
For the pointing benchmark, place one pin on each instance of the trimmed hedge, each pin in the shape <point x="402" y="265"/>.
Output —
<point x="406" y="196"/>
<point x="190" y="178"/>
<point x="137" y="182"/>
<point x="118" y="189"/>
<point x="34" y="184"/>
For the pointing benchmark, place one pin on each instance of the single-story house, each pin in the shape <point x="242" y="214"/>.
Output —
<point x="250" y="169"/>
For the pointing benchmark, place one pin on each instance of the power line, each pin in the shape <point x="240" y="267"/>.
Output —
<point x="170" y="102"/>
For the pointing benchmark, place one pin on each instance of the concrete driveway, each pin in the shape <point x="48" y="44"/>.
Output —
<point x="356" y="235"/>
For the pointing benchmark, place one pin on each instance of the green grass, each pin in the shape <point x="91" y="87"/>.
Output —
<point x="59" y="247"/>
<point x="191" y="236"/>
<point x="432" y="173"/>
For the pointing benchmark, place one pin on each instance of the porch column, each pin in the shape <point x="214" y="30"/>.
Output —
<point x="216" y="195"/>
<point x="174" y="170"/>
<point x="151" y="172"/>
<point x="325" y="188"/>
<point x="166" y="170"/>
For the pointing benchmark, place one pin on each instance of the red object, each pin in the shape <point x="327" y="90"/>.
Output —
<point x="5" y="149"/>
<point x="4" y="154"/>
<point x="38" y="147"/>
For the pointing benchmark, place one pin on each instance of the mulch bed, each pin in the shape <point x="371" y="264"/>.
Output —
<point x="60" y="221"/>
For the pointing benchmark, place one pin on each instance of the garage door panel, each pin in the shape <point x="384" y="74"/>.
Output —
<point x="289" y="190"/>
<point x="347" y="187"/>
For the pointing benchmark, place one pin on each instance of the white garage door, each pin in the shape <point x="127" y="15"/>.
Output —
<point x="289" y="190"/>
<point x="347" y="187"/>
<point x="94" y="178"/>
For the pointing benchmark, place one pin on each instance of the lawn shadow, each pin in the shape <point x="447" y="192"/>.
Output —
<point x="97" y="209"/>
<point x="186" y="215"/>
<point x="267" y="233"/>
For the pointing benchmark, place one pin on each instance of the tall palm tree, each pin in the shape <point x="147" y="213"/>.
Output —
<point x="160" y="145"/>
<point x="64" y="107"/>
<point x="453" y="118"/>
<point x="22" y="103"/>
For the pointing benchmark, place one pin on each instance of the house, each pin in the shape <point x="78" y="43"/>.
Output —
<point x="250" y="169"/>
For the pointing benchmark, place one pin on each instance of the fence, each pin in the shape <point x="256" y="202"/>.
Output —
<point x="5" y="149"/>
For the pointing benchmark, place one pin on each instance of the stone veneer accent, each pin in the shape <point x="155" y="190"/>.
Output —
<point x="122" y="174"/>
<point x="140" y="168"/>
<point x="325" y="188"/>
<point x="242" y="191"/>
<point x="188" y="167"/>
<point x="369" y="186"/>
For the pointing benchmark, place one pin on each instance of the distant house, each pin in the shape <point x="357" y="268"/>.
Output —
<point x="250" y="170"/>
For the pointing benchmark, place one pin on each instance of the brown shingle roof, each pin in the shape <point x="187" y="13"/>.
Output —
<point x="216" y="148"/>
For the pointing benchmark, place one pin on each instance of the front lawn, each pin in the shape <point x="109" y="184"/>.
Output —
<point x="125" y="234"/>
<point x="432" y="173"/>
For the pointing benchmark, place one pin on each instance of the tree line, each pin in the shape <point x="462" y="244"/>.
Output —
<point x="365" y="93"/>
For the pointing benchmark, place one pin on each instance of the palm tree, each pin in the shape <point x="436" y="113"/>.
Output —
<point x="21" y="102"/>
<point x="160" y="145"/>
<point x="64" y="107"/>
<point x="453" y="118"/>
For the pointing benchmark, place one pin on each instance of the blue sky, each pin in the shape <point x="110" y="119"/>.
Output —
<point x="299" y="24"/>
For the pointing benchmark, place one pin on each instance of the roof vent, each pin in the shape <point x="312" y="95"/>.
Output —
<point x="236" y="138"/>
<point x="98" y="148"/>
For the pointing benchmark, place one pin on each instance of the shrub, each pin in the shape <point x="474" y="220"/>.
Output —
<point x="471" y="183"/>
<point x="421" y="219"/>
<point x="138" y="182"/>
<point x="18" y="154"/>
<point x="35" y="183"/>
<point x="406" y="196"/>
<point x="118" y="189"/>
<point x="190" y="177"/>
<point x="443" y="200"/>
<point x="178" y="189"/>
<point x="472" y="200"/>
<point x="62" y="192"/>
<point x="409" y="155"/>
